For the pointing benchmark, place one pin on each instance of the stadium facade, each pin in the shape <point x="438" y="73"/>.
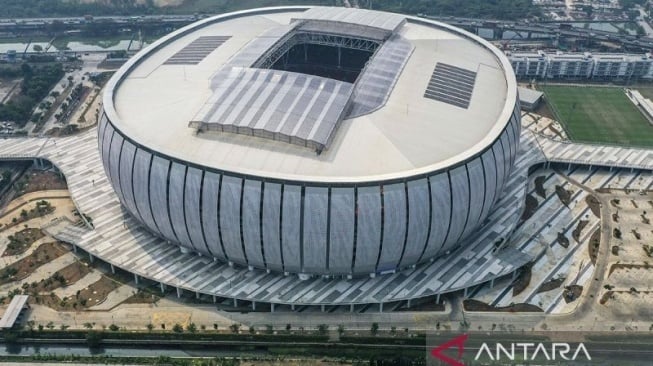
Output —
<point x="312" y="141"/>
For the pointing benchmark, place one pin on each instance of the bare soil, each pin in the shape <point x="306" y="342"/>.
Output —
<point x="562" y="240"/>
<point x="606" y="296"/>
<point x="578" y="231"/>
<point x="24" y="213"/>
<point x="564" y="195"/>
<point x="550" y="285"/>
<point x="522" y="281"/>
<point x="64" y="277"/>
<point x="142" y="297"/>
<point x="90" y="296"/>
<point x="37" y="180"/>
<point x="572" y="293"/>
<point x="475" y="305"/>
<point x="21" y="241"/>
<point x="26" y="266"/>
<point x="593" y="245"/>
<point x="539" y="186"/>
<point x="594" y="205"/>
<point x="531" y="207"/>
<point x="617" y="266"/>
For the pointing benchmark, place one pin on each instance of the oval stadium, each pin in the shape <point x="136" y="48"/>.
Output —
<point x="312" y="140"/>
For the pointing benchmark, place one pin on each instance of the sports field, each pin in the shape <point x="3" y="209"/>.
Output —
<point x="599" y="115"/>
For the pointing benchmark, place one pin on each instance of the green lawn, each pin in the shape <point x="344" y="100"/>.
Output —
<point x="599" y="115"/>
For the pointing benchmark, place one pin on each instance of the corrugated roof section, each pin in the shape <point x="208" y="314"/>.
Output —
<point x="284" y="106"/>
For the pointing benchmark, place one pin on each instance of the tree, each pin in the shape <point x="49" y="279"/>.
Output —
<point x="114" y="328"/>
<point x="322" y="329"/>
<point x="234" y="327"/>
<point x="177" y="328"/>
<point x="30" y="325"/>
<point x="375" y="328"/>
<point x="191" y="327"/>
<point x="269" y="329"/>
<point x="288" y="327"/>
<point x="149" y="327"/>
<point x="50" y="325"/>
<point x="252" y="330"/>
<point x="88" y="325"/>
<point x="93" y="339"/>
<point x="341" y="329"/>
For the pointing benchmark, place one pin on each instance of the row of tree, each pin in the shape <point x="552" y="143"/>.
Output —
<point x="37" y="83"/>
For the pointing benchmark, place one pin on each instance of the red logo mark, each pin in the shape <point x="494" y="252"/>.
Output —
<point x="459" y="343"/>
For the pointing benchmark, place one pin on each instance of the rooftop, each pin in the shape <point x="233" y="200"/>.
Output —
<point x="396" y="117"/>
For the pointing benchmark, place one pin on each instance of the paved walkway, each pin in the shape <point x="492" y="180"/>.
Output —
<point x="121" y="241"/>
<point x="116" y="297"/>
<point x="82" y="283"/>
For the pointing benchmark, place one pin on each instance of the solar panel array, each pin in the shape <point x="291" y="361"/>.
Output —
<point x="380" y="75"/>
<point x="285" y="106"/>
<point x="452" y="85"/>
<point x="197" y="50"/>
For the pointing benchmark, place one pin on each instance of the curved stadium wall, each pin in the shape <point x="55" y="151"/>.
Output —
<point x="307" y="227"/>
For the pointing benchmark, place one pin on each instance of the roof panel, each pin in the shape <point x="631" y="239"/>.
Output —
<point x="389" y="22"/>
<point x="451" y="84"/>
<point x="197" y="50"/>
<point x="379" y="77"/>
<point x="306" y="107"/>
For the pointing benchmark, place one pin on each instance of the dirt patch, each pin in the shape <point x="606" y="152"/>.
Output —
<point x="572" y="293"/>
<point x="539" y="186"/>
<point x="475" y="305"/>
<point x="556" y="132"/>
<point x="93" y="295"/>
<point x="617" y="266"/>
<point x="531" y="207"/>
<point x="593" y="245"/>
<point x="38" y="180"/>
<point x="62" y="278"/>
<point x="26" y="266"/>
<point x="142" y="297"/>
<point x="562" y="240"/>
<point x="550" y="285"/>
<point x="648" y="249"/>
<point x="606" y="296"/>
<point x="594" y="205"/>
<point x="564" y="195"/>
<point x="544" y="110"/>
<point x="40" y="209"/>
<point x="579" y="230"/>
<point x="21" y="241"/>
<point x="615" y="250"/>
<point x="522" y="281"/>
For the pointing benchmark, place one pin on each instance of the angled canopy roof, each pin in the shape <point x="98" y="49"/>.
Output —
<point x="389" y="22"/>
<point x="285" y="106"/>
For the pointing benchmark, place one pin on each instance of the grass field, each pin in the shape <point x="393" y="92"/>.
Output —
<point x="599" y="115"/>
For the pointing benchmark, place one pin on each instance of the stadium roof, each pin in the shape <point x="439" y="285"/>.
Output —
<point x="392" y="130"/>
